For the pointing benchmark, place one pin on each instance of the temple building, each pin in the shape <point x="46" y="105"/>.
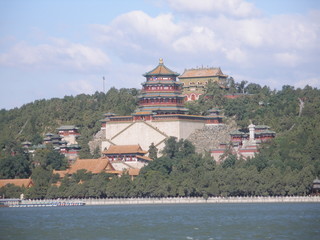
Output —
<point x="161" y="93"/>
<point x="195" y="80"/>
<point x="24" y="182"/>
<point x="244" y="144"/>
<point x="96" y="166"/>
<point x="261" y="133"/>
<point x="65" y="142"/>
<point x="127" y="157"/>
<point x="316" y="187"/>
<point x="54" y="139"/>
<point x="161" y="114"/>
<point x="69" y="133"/>
<point x="126" y="153"/>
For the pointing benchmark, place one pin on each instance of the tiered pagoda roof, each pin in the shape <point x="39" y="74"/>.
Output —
<point x="161" y="70"/>
<point x="161" y="93"/>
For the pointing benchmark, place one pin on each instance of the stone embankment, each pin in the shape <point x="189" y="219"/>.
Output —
<point x="193" y="200"/>
<point x="209" y="137"/>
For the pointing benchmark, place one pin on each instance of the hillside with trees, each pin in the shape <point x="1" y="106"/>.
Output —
<point x="285" y="166"/>
<point x="33" y="120"/>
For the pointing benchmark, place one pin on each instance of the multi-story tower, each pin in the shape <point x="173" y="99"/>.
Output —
<point x="160" y="114"/>
<point x="161" y="93"/>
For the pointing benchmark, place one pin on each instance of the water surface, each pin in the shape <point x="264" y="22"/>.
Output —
<point x="191" y="221"/>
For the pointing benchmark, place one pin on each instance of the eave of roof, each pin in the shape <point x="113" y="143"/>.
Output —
<point x="124" y="149"/>
<point x="161" y="70"/>
<point x="25" y="182"/>
<point x="202" y="72"/>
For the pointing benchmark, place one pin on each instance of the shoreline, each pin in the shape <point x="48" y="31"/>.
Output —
<point x="184" y="200"/>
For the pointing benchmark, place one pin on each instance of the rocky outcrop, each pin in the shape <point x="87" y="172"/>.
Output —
<point x="96" y="141"/>
<point x="209" y="137"/>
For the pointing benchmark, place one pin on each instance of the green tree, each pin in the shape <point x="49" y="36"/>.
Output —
<point x="50" y="159"/>
<point x="230" y="161"/>
<point x="153" y="151"/>
<point x="17" y="166"/>
<point x="119" y="187"/>
<point x="11" y="191"/>
<point x="42" y="179"/>
<point x="97" y="153"/>
<point x="171" y="147"/>
<point x="97" y="185"/>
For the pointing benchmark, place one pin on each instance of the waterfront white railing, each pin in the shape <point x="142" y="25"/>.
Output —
<point x="179" y="200"/>
<point x="186" y="200"/>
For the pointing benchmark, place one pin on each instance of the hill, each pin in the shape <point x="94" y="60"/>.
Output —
<point x="287" y="165"/>
<point x="31" y="121"/>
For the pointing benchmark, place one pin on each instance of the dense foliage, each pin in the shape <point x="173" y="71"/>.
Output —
<point x="285" y="166"/>
<point x="32" y="121"/>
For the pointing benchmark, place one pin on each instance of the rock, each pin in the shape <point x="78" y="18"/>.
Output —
<point x="210" y="137"/>
<point x="96" y="141"/>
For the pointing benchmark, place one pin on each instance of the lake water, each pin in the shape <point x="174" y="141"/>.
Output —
<point x="192" y="221"/>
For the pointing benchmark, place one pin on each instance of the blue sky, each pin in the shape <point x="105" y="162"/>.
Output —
<point x="64" y="47"/>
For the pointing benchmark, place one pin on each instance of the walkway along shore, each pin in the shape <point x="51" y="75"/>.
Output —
<point x="188" y="200"/>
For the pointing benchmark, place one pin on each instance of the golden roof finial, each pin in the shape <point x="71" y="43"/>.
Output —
<point x="160" y="61"/>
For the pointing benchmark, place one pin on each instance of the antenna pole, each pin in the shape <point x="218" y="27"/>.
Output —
<point x="103" y="84"/>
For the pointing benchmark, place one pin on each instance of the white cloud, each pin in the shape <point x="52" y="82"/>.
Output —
<point x="287" y="59"/>
<point x="57" y="53"/>
<point x="135" y="36"/>
<point x="199" y="39"/>
<point x="315" y="82"/>
<point x="236" y="8"/>
<point x="235" y="55"/>
<point x="137" y="27"/>
<point x="261" y="47"/>
<point x="79" y="86"/>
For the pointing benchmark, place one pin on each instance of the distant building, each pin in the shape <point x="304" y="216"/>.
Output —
<point x="96" y="166"/>
<point x="160" y="114"/>
<point x="235" y="95"/>
<point x="127" y="156"/>
<point x="195" y="80"/>
<point x="69" y="133"/>
<point x="54" y="139"/>
<point x="65" y="142"/>
<point x="70" y="151"/>
<point x="260" y="133"/>
<point x="24" y="182"/>
<point x="316" y="186"/>
<point x="244" y="144"/>
<point x="26" y="144"/>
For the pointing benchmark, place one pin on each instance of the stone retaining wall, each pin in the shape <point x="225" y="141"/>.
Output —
<point x="119" y="201"/>
<point x="209" y="137"/>
<point x="177" y="200"/>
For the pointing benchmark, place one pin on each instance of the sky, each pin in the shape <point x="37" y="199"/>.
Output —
<point x="51" y="49"/>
